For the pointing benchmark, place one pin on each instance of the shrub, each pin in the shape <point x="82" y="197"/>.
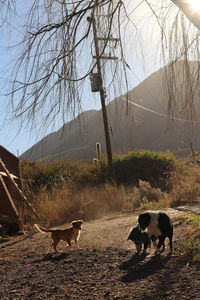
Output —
<point x="191" y="247"/>
<point x="156" y="168"/>
<point x="93" y="174"/>
<point x="152" y="167"/>
<point x="185" y="187"/>
<point x="146" y="197"/>
<point x="47" y="174"/>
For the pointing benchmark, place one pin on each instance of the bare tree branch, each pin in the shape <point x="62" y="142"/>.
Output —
<point x="58" y="40"/>
<point x="48" y="68"/>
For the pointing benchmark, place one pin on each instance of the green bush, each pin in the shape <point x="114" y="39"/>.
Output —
<point x="93" y="174"/>
<point x="44" y="174"/>
<point x="153" y="167"/>
<point x="146" y="197"/>
<point x="191" y="247"/>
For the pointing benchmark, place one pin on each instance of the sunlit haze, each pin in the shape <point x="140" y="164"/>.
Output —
<point x="195" y="4"/>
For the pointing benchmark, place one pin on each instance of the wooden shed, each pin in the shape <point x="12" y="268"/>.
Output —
<point x="12" y="199"/>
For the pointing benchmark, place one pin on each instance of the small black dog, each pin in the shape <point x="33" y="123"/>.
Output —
<point x="139" y="238"/>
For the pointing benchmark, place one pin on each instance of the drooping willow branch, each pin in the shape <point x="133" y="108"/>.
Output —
<point x="57" y="54"/>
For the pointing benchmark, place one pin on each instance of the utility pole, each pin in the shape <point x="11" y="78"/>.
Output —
<point x="97" y="82"/>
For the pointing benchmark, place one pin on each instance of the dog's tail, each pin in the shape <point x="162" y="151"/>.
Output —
<point x="42" y="229"/>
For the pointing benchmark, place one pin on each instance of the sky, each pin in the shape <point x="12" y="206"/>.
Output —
<point x="16" y="137"/>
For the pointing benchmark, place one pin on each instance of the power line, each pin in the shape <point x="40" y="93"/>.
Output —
<point x="157" y="113"/>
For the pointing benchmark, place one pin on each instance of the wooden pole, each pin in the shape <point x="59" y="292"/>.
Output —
<point x="103" y="97"/>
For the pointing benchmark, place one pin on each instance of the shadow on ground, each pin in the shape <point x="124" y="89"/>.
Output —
<point x="141" y="266"/>
<point x="9" y="243"/>
<point x="52" y="257"/>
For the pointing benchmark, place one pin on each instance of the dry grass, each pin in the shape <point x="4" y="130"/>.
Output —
<point x="186" y="186"/>
<point x="190" y="249"/>
<point x="145" y="197"/>
<point x="67" y="202"/>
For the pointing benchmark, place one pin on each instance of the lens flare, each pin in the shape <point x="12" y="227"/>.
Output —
<point x="195" y="4"/>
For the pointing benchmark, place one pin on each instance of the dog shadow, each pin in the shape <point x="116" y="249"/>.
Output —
<point x="52" y="257"/>
<point x="134" y="260"/>
<point x="142" y="267"/>
<point x="9" y="242"/>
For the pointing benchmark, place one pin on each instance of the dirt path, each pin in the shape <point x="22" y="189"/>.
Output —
<point x="105" y="268"/>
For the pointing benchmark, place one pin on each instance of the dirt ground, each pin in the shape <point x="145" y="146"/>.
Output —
<point x="106" y="267"/>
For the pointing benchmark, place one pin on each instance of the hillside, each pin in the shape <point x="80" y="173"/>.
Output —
<point x="132" y="127"/>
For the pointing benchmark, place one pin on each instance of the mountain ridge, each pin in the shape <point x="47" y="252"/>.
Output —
<point x="142" y="125"/>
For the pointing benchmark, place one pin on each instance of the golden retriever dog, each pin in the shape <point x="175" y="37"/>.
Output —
<point x="68" y="235"/>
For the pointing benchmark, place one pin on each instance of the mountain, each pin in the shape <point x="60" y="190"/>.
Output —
<point x="142" y="125"/>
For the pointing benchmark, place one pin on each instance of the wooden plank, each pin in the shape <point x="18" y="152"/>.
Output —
<point x="17" y="189"/>
<point x="9" y="197"/>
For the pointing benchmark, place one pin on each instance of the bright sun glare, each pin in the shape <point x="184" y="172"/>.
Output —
<point x="195" y="4"/>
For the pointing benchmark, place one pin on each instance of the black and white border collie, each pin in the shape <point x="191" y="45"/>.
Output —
<point x="159" y="226"/>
